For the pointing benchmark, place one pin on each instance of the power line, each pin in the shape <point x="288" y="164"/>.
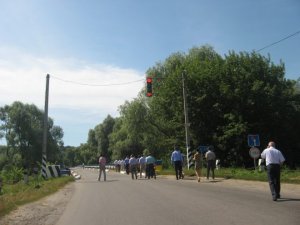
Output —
<point x="291" y="35"/>
<point x="96" y="85"/>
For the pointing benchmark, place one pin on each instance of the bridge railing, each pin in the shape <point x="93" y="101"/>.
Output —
<point x="108" y="166"/>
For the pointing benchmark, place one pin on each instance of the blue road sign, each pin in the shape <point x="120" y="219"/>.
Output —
<point x="203" y="148"/>
<point x="253" y="140"/>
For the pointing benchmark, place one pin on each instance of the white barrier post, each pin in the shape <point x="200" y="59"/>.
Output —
<point x="260" y="164"/>
<point x="218" y="164"/>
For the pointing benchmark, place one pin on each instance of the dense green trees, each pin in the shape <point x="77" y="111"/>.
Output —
<point x="228" y="98"/>
<point x="22" y="127"/>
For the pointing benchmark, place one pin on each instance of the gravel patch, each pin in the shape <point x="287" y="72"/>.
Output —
<point x="45" y="211"/>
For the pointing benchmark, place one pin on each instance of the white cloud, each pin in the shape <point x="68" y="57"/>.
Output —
<point x="23" y="78"/>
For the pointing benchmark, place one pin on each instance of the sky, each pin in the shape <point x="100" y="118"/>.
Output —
<point x="98" y="51"/>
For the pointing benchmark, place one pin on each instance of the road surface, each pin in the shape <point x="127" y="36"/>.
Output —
<point x="167" y="201"/>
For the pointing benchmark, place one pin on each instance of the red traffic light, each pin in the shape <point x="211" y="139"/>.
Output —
<point x="149" y="87"/>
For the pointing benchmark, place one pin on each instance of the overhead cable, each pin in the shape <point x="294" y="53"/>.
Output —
<point x="274" y="43"/>
<point x="96" y="85"/>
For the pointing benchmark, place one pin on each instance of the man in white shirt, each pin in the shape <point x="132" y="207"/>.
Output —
<point x="274" y="160"/>
<point x="133" y="167"/>
<point x="142" y="163"/>
<point x="150" y="163"/>
<point x="211" y="162"/>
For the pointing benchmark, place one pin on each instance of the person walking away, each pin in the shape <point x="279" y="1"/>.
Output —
<point x="102" y="164"/>
<point x="126" y="162"/>
<point x="274" y="159"/>
<point x="211" y="162"/>
<point x="142" y="163"/>
<point x="198" y="161"/>
<point x="150" y="167"/>
<point x="133" y="166"/>
<point x="116" y="165"/>
<point x="177" y="160"/>
<point x="122" y="165"/>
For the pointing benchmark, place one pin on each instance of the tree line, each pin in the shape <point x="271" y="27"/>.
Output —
<point x="22" y="127"/>
<point x="228" y="98"/>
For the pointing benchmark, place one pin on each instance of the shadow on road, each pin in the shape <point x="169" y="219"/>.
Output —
<point x="214" y="181"/>
<point x="288" y="200"/>
<point x="96" y="181"/>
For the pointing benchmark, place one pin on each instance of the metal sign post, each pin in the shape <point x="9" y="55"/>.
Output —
<point x="186" y="124"/>
<point x="254" y="153"/>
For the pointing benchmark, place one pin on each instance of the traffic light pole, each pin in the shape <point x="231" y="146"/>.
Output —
<point x="186" y="118"/>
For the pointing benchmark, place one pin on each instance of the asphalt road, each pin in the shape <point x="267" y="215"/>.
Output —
<point x="166" y="201"/>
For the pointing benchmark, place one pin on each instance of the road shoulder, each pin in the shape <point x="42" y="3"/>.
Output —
<point x="45" y="211"/>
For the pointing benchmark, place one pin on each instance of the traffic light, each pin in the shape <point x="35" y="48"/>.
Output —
<point x="149" y="87"/>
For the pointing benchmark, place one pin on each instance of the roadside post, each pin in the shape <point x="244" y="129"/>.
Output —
<point x="1" y="184"/>
<point x="254" y="153"/>
<point x="253" y="142"/>
<point x="260" y="165"/>
<point x="36" y="177"/>
<point x="26" y="173"/>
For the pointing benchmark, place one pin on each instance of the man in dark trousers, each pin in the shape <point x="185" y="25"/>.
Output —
<point x="274" y="160"/>
<point x="102" y="165"/>
<point x="211" y="162"/>
<point x="177" y="161"/>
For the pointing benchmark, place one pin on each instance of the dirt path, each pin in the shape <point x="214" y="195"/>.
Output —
<point x="45" y="211"/>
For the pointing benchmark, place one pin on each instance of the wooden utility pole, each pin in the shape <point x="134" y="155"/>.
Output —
<point x="45" y="130"/>
<point x="186" y="120"/>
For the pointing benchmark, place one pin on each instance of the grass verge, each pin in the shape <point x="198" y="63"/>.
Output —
<point x="19" y="194"/>
<point x="287" y="176"/>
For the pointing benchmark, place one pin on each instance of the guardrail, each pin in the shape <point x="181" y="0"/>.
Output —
<point x="108" y="166"/>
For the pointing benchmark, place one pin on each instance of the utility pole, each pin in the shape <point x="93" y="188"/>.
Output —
<point x="45" y="130"/>
<point x="186" y="120"/>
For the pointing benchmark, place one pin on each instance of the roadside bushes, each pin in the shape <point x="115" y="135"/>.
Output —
<point x="11" y="174"/>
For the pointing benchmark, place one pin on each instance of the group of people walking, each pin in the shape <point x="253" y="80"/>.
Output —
<point x="137" y="166"/>
<point x="273" y="157"/>
<point x="177" y="162"/>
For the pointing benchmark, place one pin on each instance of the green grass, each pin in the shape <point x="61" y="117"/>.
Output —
<point x="19" y="194"/>
<point x="287" y="176"/>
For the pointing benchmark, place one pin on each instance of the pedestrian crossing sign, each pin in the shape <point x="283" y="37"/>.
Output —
<point x="253" y="140"/>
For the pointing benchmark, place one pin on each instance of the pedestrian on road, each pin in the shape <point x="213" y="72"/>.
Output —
<point x="116" y="165"/>
<point x="198" y="161"/>
<point x="122" y="165"/>
<point x="102" y="164"/>
<point x="177" y="160"/>
<point x="126" y="163"/>
<point x="150" y="167"/>
<point x="274" y="159"/>
<point x="133" y="167"/>
<point x="211" y="162"/>
<point x="142" y="163"/>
